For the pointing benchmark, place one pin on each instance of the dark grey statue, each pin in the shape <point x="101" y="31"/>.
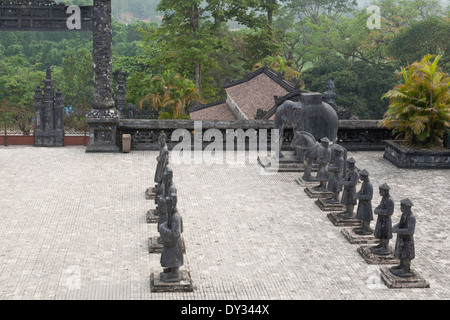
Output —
<point x="336" y="171"/>
<point x="404" y="246"/>
<point x="349" y="193"/>
<point x="323" y="159"/>
<point x="383" y="227"/>
<point x="163" y="161"/>
<point x="310" y="114"/>
<point x="167" y="188"/>
<point x="170" y="231"/>
<point x="364" y="197"/>
<point x="312" y="150"/>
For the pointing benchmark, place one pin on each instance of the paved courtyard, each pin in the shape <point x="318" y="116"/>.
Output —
<point x="72" y="226"/>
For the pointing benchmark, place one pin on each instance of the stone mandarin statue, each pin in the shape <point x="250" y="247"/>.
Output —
<point x="364" y="197"/>
<point x="163" y="161"/>
<point x="324" y="157"/>
<point x="170" y="231"/>
<point x="349" y="193"/>
<point x="404" y="246"/>
<point x="336" y="173"/>
<point x="383" y="227"/>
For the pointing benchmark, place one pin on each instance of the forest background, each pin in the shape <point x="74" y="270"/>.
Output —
<point x="205" y="42"/>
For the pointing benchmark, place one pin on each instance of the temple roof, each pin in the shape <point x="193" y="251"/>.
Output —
<point x="257" y="90"/>
<point x="213" y="111"/>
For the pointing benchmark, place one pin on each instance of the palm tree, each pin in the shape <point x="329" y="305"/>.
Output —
<point x="171" y="95"/>
<point x="419" y="109"/>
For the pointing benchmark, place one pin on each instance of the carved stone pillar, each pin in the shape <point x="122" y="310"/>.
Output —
<point x="48" y="130"/>
<point x="103" y="118"/>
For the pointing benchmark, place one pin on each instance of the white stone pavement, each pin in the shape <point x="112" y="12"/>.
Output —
<point x="72" y="226"/>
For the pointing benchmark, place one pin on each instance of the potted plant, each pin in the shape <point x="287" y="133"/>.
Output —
<point x="419" y="115"/>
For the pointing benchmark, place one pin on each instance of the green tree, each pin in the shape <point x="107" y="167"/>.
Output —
<point x="18" y="81"/>
<point x="186" y="37"/>
<point x="428" y="36"/>
<point x="419" y="109"/>
<point x="359" y="85"/>
<point x="171" y="95"/>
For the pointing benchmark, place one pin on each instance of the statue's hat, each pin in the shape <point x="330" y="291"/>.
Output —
<point x="384" y="186"/>
<point x="363" y="172"/>
<point x="407" y="202"/>
<point x="351" y="160"/>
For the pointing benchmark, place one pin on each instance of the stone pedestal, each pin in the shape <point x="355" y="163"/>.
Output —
<point x="392" y="281"/>
<point x="372" y="258"/>
<point x="155" y="247"/>
<point x="183" y="285"/>
<point x="324" y="206"/>
<point x="287" y="163"/>
<point x="337" y="220"/>
<point x="309" y="190"/>
<point x="152" y="216"/>
<point x="303" y="183"/>
<point x="102" y="130"/>
<point x="150" y="194"/>
<point x="355" y="238"/>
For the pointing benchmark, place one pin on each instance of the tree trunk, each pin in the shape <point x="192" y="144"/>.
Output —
<point x="198" y="77"/>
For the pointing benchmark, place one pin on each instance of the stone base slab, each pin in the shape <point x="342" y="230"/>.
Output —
<point x="155" y="247"/>
<point x="151" y="217"/>
<point x="372" y="258"/>
<point x="287" y="163"/>
<point x="317" y="194"/>
<point x="184" y="285"/>
<point x="392" y="281"/>
<point x="303" y="183"/>
<point x="149" y="194"/>
<point x="324" y="206"/>
<point x="355" y="238"/>
<point x="337" y="220"/>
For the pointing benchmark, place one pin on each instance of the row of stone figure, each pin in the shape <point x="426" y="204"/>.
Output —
<point x="169" y="221"/>
<point x="341" y="176"/>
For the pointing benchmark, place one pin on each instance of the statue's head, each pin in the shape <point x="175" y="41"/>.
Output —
<point x="384" y="189"/>
<point x="364" y="175"/>
<point x="330" y="85"/>
<point x="325" y="142"/>
<point x="405" y="205"/>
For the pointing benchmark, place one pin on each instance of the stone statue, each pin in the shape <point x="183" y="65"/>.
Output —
<point x="349" y="193"/>
<point x="310" y="114"/>
<point x="163" y="161"/>
<point x="364" y="211"/>
<point x="170" y="231"/>
<point x="312" y="150"/>
<point x="323" y="159"/>
<point x="383" y="227"/>
<point x="168" y="188"/>
<point x="336" y="173"/>
<point x="330" y="96"/>
<point x="404" y="246"/>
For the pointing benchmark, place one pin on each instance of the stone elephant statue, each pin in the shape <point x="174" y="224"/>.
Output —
<point x="310" y="114"/>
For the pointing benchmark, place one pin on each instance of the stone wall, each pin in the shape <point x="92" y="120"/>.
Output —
<point x="354" y="135"/>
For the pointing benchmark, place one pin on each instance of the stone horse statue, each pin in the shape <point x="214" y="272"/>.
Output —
<point x="307" y="142"/>
<point x="310" y="114"/>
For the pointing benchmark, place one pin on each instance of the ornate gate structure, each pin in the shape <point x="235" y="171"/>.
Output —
<point x="47" y="15"/>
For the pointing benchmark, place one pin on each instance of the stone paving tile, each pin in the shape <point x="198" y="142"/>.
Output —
<point x="72" y="226"/>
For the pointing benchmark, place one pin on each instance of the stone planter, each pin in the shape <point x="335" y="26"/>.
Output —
<point x="405" y="157"/>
